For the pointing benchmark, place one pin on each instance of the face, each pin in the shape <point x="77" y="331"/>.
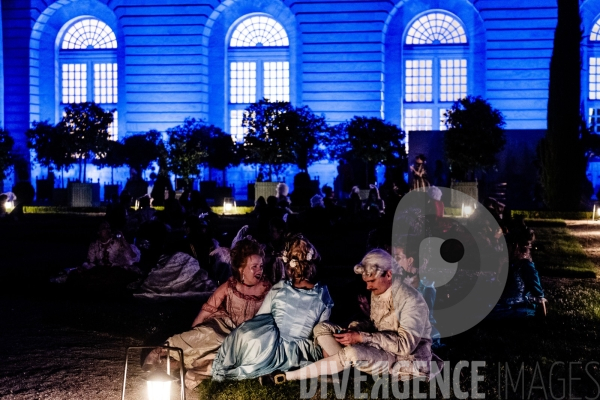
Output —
<point x="104" y="232"/>
<point x="252" y="270"/>
<point x="380" y="284"/>
<point x="403" y="261"/>
<point x="274" y="233"/>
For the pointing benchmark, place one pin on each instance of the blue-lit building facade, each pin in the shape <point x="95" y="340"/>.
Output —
<point x="159" y="61"/>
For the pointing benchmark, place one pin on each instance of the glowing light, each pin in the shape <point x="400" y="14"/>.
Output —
<point x="159" y="386"/>
<point x="229" y="205"/>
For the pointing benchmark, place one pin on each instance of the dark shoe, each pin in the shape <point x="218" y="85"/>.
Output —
<point x="153" y="359"/>
<point x="272" y="379"/>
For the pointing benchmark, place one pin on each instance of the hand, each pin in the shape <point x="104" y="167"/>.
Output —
<point x="363" y="303"/>
<point x="348" y="338"/>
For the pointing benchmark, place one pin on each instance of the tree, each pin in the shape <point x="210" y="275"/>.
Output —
<point x="561" y="151"/>
<point x="264" y="143"/>
<point x="139" y="151"/>
<point x="222" y="151"/>
<point x="370" y="140"/>
<point x="304" y="133"/>
<point x="87" y="124"/>
<point x="115" y="158"/>
<point x="6" y="153"/>
<point x="52" y="145"/>
<point x="187" y="147"/>
<point x="474" y="137"/>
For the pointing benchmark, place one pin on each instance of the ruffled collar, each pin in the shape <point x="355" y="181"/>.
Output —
<point x="231" y="282"/>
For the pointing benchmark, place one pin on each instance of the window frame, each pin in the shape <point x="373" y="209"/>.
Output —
<point x="258" y="55"/>
<point x="90" y="57"/>
<point x="435" y="52"/>
<point x="593" y="51"/>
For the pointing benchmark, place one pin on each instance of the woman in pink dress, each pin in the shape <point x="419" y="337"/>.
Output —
<point x="234" y="302"/>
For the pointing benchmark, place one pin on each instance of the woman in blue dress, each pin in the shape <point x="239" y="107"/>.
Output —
<point x="279" y="337"/>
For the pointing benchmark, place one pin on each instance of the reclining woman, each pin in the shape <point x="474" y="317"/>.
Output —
<point x="279" y="337"/>
<point x="234" y="302"/>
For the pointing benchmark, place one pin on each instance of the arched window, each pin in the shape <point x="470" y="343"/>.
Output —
<point x="258" y="58"/>
<point x="88" y="66"/>
<point x="593" y="97"/>
<point x="435" y="69"/>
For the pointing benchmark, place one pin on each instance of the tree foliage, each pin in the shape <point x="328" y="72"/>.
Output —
<point x="87" y="124"/>
<point x="263" y="142"/>
<point x="561" y="152"/>
<point x="304" y="134"/>
<point x="222" y="151"/>
<point x="139" y="151"/>
<point x="370" y="140"/>
<point x="6" y="153"/>
<point x="474" y="137"/>
<point x="187" y="147"/>
<point x="279" y="134"/>
<point x="53" y="146"/>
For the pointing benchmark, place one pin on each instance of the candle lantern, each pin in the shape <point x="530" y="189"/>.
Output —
<point x="596" y="211"/>
<point x="467" y="210"/>
<point x="229" y="206"/>
<point x="158" y="382"/>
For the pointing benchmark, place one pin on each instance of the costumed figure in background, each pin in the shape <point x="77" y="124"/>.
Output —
<point x="279" y="338"/>
<point x="419" y="173"/>
<point x="234" y="302"/>
<point x="523" y="295"/>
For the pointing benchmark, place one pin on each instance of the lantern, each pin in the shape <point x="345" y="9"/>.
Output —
<point x="229" y="205"/>
<point x="596" y="211"/>
<point x="466" y="210"/>
<point x="158" y="383"/>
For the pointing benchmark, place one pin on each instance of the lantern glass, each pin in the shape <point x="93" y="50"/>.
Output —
<point x="159" y="390"/>
<point x="468" y="211"/>
<point x="228" y="205"/>
<point x="10" y="205"/>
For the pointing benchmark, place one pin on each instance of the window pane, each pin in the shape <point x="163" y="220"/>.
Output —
<point x="259" y="31"/>
<point x="74" y="83"/>
<point x="594" y="88"/>
<point x="418" y="119"/>
<point x="453" y="79"/>
<point x="436" y="28"/>
<point x="89" y="33"/>
<point x="113" y="129"/>
<point x="243" y="89"/>
<point x="419" y="87"/>
<point x="277" y="89"/>
<point x="105" y="83"/>
<point x="235" y="125"/>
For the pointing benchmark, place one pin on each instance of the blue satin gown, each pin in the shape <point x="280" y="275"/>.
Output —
<point x="279" y="337"/>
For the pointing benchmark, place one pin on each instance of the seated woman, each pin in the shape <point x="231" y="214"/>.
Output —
<point x="111" y="264"/>
<point x="111" y="250"/>
<point x="234" y="302"/>
<point x="280" y="336"/>
<point x="523" y="295"/>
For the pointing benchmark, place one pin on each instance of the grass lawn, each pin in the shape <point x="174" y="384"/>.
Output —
<point x="556" y="354"/>
<point x="558" y="253"/>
